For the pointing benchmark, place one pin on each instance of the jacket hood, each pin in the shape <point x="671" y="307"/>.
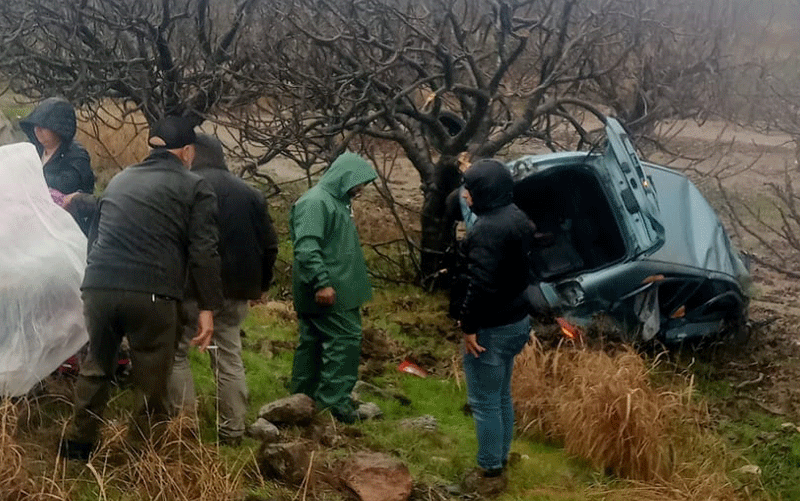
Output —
<point x="208" y="153"/>
<point x="54" y="113"/>
<point x="490" y="185"/>
<point x="347" y="171"/>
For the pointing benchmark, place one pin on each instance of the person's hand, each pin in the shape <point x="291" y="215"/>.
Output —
<point x="68" y="198"/>
<point x="325" y="296"/>
<point x="471" y="345"/>
<point x="205" y="330"/>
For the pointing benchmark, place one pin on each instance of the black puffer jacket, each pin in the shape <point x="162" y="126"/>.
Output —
<point x="497" y="251"/>
<point x="156" y="225"/>
<point x="69" y="169"/>
<point x="248" y="245"/>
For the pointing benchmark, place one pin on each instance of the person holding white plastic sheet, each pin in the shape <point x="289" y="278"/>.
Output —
<point x="42" y="262"/>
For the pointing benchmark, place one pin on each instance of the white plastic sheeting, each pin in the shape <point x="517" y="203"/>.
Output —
<point x="42" y="261"/>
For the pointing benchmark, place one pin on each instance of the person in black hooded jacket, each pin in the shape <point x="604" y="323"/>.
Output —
<point x="491" y="307"/>
<point x="51" y="128"/>
<point x="67" y="168"/>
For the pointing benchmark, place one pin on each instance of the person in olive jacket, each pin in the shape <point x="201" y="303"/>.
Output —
<point x="156" y="230"/>
<point x="248" y="247"/>
<point x="51" y="127"/>
<point x="330" y="283"/>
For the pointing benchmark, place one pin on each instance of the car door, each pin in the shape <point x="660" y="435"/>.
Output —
<point x="633" y="189"/>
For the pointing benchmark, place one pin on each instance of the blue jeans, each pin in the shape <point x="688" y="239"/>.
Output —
<point x="489" y="390"/>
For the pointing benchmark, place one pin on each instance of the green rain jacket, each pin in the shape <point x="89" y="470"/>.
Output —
<point x="327" y="251"/>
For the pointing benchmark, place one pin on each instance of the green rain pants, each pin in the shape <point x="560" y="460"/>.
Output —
<point x="326" y="359"/>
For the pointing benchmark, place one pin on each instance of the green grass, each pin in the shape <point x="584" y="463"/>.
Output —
<point x="763" y="441"/>
<point x="416" y="321"/>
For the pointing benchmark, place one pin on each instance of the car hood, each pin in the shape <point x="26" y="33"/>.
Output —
<point x="694" y="235"/>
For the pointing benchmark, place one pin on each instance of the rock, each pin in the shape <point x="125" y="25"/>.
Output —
<point x="285" y="462"/>
<point x="377" y="477"/>
<point x="362" y="387"/>
<point x="749" y="469"/>
<point x="294" y="409"/>
<point x="790" y="427"/>
<point x="368" y="410"/>
<point x="323" y="432"/>
<point x="423" y="423"/>
<point x="264" y="430"/>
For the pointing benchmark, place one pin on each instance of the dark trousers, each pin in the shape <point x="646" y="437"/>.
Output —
<point x="151" y="326"/>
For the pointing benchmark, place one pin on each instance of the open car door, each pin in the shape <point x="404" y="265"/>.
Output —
<point x="634" y="190"/>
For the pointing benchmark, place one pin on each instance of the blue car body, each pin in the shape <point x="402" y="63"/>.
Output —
<point x="635" y="241"/>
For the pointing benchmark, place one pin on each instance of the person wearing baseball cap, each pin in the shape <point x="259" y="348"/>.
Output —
<point x="155" y="232"/>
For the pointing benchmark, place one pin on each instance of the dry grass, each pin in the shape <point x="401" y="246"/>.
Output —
<point x="114" y="136"/>
<point x="12" y="473"/>
<point x="603" y="408"/>
<point x="16" y="481"/>
<point x="175" y="466"/>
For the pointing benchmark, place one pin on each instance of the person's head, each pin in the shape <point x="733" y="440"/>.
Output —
<point x="176" y="135"/>
<point x="208" y="153"/>
<point x="347" y="176"/>
<point x="356" y="190"/>
<point x="489" y="185"/>
<point x="51" y="124"/>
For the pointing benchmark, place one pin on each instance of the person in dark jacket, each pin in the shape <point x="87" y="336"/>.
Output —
<point x="67" y="168"/>
<point x="491" y="306"/>
<point x="248" y="247"/>
<point x="51" y="128"/>
<point x="156" y="229"/>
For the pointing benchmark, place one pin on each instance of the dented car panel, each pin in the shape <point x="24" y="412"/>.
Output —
<point x="630" y="239"/>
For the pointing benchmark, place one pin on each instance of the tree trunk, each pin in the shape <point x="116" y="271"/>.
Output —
<point x="438" y="225"/>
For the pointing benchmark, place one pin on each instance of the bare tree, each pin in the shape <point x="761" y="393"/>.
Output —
<point x="678" y="58"/>
<point x="765" y="97"/>
<point x="442" y="78"/>
<point x="164" y="56"/>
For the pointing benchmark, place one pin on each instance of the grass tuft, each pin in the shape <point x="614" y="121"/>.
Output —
<point x="13" y="476"/>
<point x="174" y="466"/>
<point x="602" y="407"/>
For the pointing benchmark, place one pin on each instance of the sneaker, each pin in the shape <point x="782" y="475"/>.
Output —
<point x="70" y="449"/>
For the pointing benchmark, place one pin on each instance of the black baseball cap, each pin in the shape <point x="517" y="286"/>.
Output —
<point x="172" y="132"/>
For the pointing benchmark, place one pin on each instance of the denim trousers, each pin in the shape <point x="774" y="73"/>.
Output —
<point x="488" y="379"/>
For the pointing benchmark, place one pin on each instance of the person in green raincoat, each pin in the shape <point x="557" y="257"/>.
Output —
<point x="330" y="283"/>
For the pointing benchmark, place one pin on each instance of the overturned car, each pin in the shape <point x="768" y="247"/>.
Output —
<point x="631" y="240"/>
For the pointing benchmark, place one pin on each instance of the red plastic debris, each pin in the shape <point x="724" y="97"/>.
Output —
<point x="411" y="368"/>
